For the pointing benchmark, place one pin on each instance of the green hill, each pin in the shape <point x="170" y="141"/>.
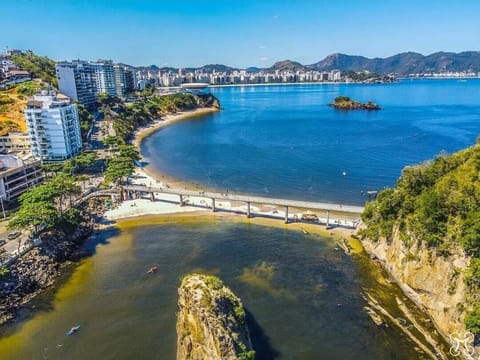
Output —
<point x="39" y="66"/>
<point x="436" y="205"/>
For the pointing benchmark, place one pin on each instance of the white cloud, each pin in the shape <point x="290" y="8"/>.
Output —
<point x="262" y="47"/>
<point x="263" y="58"/>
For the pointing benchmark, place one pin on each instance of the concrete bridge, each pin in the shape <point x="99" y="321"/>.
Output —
<point x="129" y="190"/>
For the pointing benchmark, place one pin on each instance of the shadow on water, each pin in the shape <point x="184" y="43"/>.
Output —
<point x="89" y="248"/>
<point x="260" y="341"/>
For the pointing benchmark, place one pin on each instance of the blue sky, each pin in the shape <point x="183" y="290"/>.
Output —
<point x="239" y="33"/>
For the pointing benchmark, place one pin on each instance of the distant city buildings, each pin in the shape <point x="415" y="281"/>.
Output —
<point x="53" y="128"/>
<point x="171" y="77"/>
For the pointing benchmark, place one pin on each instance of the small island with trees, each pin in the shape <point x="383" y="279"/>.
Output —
<point x="345" y="103"/>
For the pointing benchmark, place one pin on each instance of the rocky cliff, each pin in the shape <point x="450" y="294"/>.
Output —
<point x="426" y="231"/>
<point x="434" y="282"/>
<point x="210" y="321"/>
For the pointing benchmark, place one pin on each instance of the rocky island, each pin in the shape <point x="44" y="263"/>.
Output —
<point x="345" y="103"/>
<point x="210" y="321"/>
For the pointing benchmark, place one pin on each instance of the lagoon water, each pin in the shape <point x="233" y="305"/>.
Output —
<point x="284" y="141"/>
<point x="303" y="296"/>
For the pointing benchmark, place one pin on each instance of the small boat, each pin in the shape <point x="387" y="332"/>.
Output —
<point x="344" y="173"/>
<point x="304" y="231"/>
<point x="73" y="330"/>
<point x="152" y="270"/>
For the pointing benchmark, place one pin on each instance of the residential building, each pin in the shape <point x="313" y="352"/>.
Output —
<point x="130" y="80"/>
<point x="77" y="80"/>
<point x="104" y="77"/>
<point x="14" y="142"/>
<point x="17" y="176"/>
<point x="120" y="80"/>
<point x="53" y="127"/>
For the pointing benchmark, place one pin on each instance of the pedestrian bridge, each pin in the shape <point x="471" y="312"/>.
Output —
<point x="129" y="190"/>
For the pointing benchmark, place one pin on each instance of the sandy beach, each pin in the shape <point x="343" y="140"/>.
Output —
<point x="168" y="205"/>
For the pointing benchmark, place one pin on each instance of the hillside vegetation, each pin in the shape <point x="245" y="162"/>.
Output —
<point x="40" y="67"/>
<point x="127" y="118"/>
<point x="436" y="205"/>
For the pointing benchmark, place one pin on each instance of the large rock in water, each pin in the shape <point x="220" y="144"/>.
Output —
<point x="210" y="321"/>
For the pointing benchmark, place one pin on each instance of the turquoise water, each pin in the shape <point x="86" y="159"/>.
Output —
<point x="303" y="297"/>
<point x="284" y="141"/>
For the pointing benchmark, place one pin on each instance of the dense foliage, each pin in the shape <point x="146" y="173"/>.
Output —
<point x="39" y="66"/>
<point x="122" y="164"/>
<point x="86" y="120"/>
<point x="30" y="88"/>
<point x="48" y="205"/>
<point x="435" y="204"/>
<point x="127" y="118"/>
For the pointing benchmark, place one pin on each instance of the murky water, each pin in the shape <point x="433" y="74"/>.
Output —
<point x="303" y="296"/>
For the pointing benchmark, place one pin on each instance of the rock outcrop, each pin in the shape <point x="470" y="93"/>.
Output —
<point x="434" y="282"/>
<point x="345" y="103"/>
<point x="210" y="321"/>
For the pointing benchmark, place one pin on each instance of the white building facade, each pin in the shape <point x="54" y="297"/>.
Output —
<point x="77" y="80"/>
<point x="53" y="128"/>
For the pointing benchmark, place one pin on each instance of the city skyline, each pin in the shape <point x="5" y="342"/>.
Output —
<point x="240" y="34"/>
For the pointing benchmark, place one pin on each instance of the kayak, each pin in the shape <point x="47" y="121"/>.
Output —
<point x="73" y="330"/>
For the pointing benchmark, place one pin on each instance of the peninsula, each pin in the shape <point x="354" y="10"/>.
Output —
<point x="345" y="103"/>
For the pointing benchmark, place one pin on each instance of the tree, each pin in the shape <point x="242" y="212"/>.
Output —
<point x="39" y="194"/>
<point x="4" y="271"/>
<point x="129" y="151"/>
<point x="33" y="215"/>
<point x="64" y="187"/>
<point x="118" y="168"/>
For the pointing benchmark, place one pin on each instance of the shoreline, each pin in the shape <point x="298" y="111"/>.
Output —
<point x="167" y="204"/>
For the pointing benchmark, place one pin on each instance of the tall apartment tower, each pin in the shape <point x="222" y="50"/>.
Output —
<point x="130" y="82"/>
<point x="120" y="80"/>
<point x="53" y="127"/>
<point x="77" y="80"/>
<point x="105" y="77"/>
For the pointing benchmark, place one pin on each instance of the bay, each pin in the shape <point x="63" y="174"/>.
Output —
<point x="284" y="141"/>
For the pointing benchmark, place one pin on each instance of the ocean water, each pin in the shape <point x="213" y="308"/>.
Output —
<point x="284" y="141"/>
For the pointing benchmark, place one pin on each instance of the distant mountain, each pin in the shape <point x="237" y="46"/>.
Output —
<point x="401" y="64"/>
<point x="404" y="63"/>
<point x="287" y="65"/>
<point x="252" y="69"/>
<point x="216" y="67"/>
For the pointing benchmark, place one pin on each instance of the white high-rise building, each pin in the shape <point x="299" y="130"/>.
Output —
<point x="105" y="77"/>
<point x="53" y="127"/>
<point x="77" y="80"/>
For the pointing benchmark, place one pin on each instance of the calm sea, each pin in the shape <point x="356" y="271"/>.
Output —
<point x="284" y="141"/>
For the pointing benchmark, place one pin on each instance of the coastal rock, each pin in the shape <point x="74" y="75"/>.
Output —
<point x="345" y="103"/>
<point x="207" y="100"/>
<point x="432" y="281"/>
<point x="210" y="321"/>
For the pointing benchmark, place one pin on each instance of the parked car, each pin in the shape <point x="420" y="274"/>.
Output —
<point x="13" y="235"/>
<point x="2" y="242"/>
